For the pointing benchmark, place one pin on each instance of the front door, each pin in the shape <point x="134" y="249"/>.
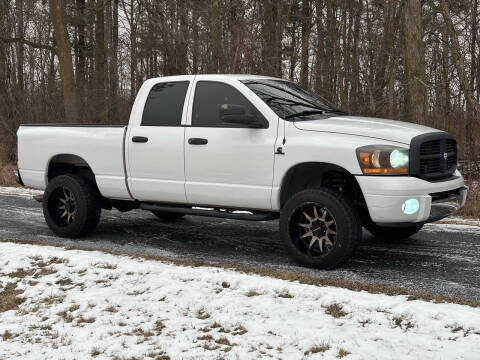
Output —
<point x="227" y="165"/>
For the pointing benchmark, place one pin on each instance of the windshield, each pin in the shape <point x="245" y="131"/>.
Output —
<point x="290" y="101"/>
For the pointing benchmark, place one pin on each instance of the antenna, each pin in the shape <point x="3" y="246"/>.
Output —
<point x="284" y="121"/>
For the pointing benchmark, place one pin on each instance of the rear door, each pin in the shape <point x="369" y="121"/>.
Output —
<point x="228" y="165"/>
<point x="155" y="141"/>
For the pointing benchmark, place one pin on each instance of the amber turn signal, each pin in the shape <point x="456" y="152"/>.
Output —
<point x="385" y="171"/>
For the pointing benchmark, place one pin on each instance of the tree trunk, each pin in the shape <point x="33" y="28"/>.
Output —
<point x="114" y="63"/>
<point x="306" y="29"/>
<point x="70" y="98"/>
<point x="272" y="35"/>
<point x="458" y="59"/>
<point x="100" y="109"/>
<point x="81" y="52"/>
<point x="195" y="42"/>
<point x="459" y="63"/>
<point x="414" y="62"/>
<point x="20" y="35"/>
<point x="133" y="52"/>
<point x="355" y="93"/>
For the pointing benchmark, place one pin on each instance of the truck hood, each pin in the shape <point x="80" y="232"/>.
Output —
<point x="384" y="129"/>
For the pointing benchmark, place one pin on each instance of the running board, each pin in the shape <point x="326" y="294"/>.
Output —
<point x="264" y="216"/>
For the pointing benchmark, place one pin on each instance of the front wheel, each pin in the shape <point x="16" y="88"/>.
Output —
<point x="71" y="206"/>
<point x="393" y="233"/>
<point x="320" y="228"/>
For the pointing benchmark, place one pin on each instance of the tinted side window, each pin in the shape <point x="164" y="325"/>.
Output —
<point x="209" y="96"/>
<point x="164" y="105"/>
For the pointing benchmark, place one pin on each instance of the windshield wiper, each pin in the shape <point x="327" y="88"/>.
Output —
<point x="339" y="112"/>
<point x="305" y="113"/>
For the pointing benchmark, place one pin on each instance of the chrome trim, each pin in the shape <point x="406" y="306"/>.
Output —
<point x="445" y="207"/>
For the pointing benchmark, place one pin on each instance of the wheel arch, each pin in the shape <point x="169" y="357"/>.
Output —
<point x="61" y="164"/>
<point x="307" y="175"/>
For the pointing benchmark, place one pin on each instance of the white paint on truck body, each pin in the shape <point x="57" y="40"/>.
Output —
<point x="239" y="168"/>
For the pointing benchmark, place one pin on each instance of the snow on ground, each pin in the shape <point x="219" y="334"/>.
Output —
<point x="460" y="220"/>
<point x="64" y="304"/>
<point x="19" y="191"/>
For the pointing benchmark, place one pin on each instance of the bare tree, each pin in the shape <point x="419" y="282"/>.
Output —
<point x="70" y="98"/>
<point x="414" y="61"/>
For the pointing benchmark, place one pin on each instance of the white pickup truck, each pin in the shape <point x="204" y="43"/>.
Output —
<point x="248" y="148"/>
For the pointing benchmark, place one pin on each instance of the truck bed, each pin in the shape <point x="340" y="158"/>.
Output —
<point x="100" y="146"/>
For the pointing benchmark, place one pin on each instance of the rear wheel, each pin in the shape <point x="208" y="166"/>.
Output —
<point x="320" y="228"/>
<point x="392" y="233"/>
<point x="71" y="206"/>
<point x="167" y="215"/>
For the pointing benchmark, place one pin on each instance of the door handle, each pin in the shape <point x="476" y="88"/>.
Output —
<point x="139" y="139"/>
<point x="197" y="141"/>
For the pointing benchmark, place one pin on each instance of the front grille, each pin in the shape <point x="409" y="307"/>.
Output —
<point x="433" y="156"/>
<point x="430" y="147"/>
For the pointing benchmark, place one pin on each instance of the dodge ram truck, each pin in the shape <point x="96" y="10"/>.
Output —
<point x="248" y="148"/>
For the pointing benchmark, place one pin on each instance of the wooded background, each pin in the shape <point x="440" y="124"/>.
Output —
<point x="84" y="60"/>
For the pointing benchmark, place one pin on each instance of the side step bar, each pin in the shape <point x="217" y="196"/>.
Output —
<point x="264" y="216"/>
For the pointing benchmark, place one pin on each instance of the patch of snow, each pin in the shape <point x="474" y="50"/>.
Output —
<point x="19" y="191"/>
<point x="80" y="304"/>
<point x="460" y="220"/>
<point x="442" y="227"/>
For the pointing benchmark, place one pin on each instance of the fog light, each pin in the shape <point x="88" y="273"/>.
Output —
<point x="410" y="206"/>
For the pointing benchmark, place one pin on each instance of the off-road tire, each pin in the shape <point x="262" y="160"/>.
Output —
<point x="348" y="227"/>
<point x="87" y="203"/>
<point x="392" y="233"/>
<point x="167" y="215"/>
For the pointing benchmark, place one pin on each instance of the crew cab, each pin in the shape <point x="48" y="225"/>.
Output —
<point x="248" y="148"/>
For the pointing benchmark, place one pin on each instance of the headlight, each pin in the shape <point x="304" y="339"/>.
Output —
<point x="383" y="160"/>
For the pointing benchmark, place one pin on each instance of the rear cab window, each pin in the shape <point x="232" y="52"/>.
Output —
<point x="164" y="105"/>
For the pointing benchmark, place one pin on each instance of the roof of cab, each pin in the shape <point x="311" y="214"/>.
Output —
<point x="235" y="76"/>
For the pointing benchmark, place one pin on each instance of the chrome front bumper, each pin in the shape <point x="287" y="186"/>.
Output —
<point x="386" y="197"/>
<point x="18" y="178"/>
<point x="444" y="204"/>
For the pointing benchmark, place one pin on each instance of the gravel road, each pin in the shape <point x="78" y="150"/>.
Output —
<point x="442" y="258"/>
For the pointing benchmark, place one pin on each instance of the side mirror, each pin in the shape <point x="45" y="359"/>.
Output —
<point x="236" y="114"/>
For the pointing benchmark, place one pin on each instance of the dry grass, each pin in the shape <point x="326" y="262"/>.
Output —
<point x="239" y="330"/>
<point x="64" y="282"/>
<point x="7" y="335"/>
<point x="370" y="287"/>
<point x="105" y="266"/>
<point x="111" y="309"/>
<point x="285" y="295"/>
<point x="9" y="297"/>
<point x="85" y="320"/>
<point x="216" y="325"/>
<point x="95" y="352"/>
<point x="6" y="175"/>
<point x="342" y="353"/>
<point x="159" y="326"/>
<point x="252" y="293"/>
<point x="202" y="314"/>
<point x="21" y="273"/>
<point x="399" y="321"/>
<point x="223" y="341"/>
<point x="472" y="205"/>
<point x="205" y="338"/>
<point x="53" y="299"/>
<point x="321" y="348"/>
<point x="335" y="310"/>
